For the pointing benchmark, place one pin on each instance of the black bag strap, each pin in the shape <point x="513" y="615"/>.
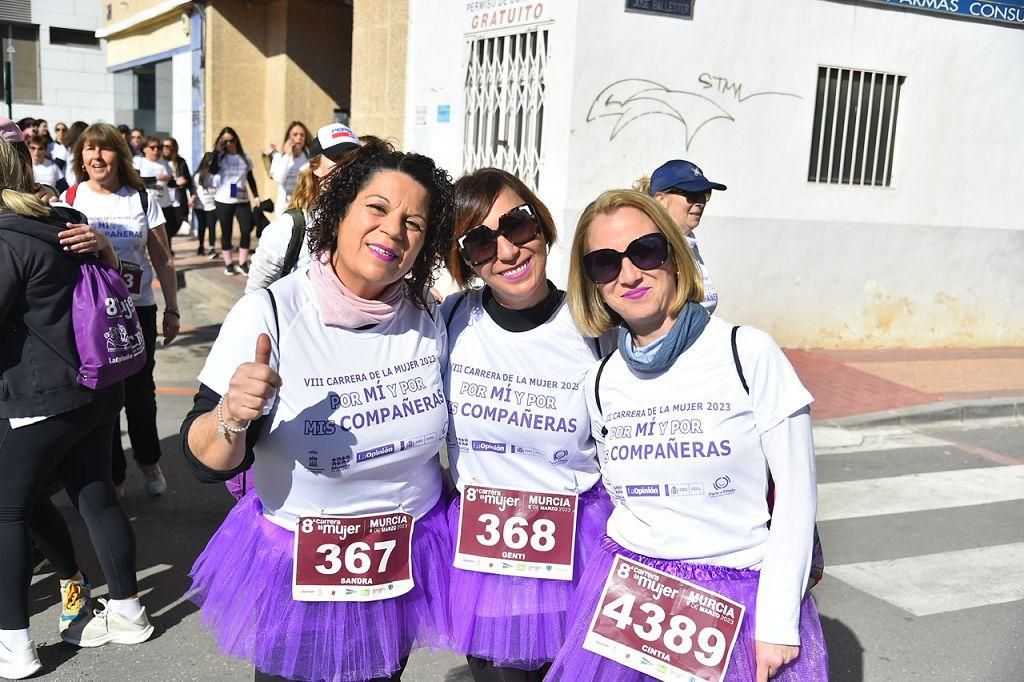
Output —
<point x="291" y="256"/>
<point x="451" y="313"/>
<point x="277" y="322"/>
<point x="597" y="388"/>
<point x="252" y="432"/>
<point x="736" y="359"/>
<point x="144" y="198"/>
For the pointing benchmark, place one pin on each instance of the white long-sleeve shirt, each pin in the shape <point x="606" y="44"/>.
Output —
<point x="686" y="457"/>
<point x="284" y="170"/>
<point x="268" y="259"/>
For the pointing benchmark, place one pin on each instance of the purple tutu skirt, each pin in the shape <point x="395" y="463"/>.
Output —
<point x="519" y="622"/>
<point x="576" y="663"/>
<point x="242" y="584"/>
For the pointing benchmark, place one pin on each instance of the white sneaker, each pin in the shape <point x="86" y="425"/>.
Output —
<point x="19" y="664"/>
<point x="155" y="484"/>
<point x="106" y="625"/>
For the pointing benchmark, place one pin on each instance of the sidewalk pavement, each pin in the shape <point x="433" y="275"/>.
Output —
<point x="851" y="388"/>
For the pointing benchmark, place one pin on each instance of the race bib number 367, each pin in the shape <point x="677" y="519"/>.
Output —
<point x="516" y="532"/>
<point x="663" y="626"/>
<point x="353" y="558"/>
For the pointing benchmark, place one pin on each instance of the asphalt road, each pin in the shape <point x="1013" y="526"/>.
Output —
<point x="923" y="534"/>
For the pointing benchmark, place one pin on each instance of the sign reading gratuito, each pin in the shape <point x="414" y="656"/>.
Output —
<point x="353" y="558"/>
<point x="517" y="532"/>
<point x="663" y="626"/>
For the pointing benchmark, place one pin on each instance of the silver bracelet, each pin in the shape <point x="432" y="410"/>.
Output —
<point x="223" y="429"/>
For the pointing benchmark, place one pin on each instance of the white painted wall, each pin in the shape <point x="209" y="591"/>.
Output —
<point x="181" y="108"/>
<point x="74" y="83"/>
<point x="931" y="261"/>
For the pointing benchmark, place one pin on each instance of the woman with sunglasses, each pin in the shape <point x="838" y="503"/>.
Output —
<point x="680" y="186"/>
<point x="181" y="189"/>
<point x="518" y="422"/>
<point x="341" y="411"/>
<point x="234" y="182"/>
<point x="689" y="483"/>
<point x="157" y="174"/>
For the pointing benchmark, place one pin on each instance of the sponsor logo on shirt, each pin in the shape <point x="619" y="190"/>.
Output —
<point x="381" y="451"/>
<point x="485" y="446"/>
<point x="722" y="487"/>
<point x="652" y="490"/>
<point x="683" y="489"/>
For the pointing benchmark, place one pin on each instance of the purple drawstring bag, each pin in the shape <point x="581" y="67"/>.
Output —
<point x="107" y="331"/>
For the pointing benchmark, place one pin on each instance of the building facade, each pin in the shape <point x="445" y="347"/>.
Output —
<point x="189" y="69"/>
<point x="58" y="65"/>
<point x="869" y="147"/>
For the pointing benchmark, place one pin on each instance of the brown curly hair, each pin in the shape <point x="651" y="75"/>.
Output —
<point x="355" y="169"/>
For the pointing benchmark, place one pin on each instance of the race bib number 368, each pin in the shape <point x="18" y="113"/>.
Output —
<point x="516" y="532"/>
<point x="353" y="558"/>
<point x="663" y="626"/>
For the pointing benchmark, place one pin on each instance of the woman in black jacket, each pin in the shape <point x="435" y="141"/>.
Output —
<point x="49" y="423"/>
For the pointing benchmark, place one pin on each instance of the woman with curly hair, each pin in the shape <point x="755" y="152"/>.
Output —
<point x="331" y="382"/>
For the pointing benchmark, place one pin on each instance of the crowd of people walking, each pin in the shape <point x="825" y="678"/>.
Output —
<point x="478" y="472"/>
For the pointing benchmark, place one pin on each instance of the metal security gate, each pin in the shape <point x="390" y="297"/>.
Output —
<point x="505" y="103"/>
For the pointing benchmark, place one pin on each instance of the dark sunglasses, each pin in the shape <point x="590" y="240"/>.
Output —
<point x="480" y="244"/>
<point x="60" y="129"/>
<point x="153" y="146"/>
<point x="227" y="139"/>
<point x="648" y="252"/>
<point x="693" y="197"/>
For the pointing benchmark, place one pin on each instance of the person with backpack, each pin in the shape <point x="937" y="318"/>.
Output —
<point x="53" y="425"/>
<point x="690" y="416"/>
<point x="235" y="180"/>
<point x="329" y="383"/>
<point x="116" y="202"/>
<point x="513" y="349"/>
<point x="283" y="245"/>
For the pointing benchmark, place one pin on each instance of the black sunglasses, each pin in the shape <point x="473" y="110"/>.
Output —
<point x="692" y="197"/>
<point x="480" y="244"/>
<point x="647" y="253"/>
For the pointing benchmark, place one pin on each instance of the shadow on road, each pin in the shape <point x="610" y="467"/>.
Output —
<point x="845" y="653"/>
<point x="170" y="532"/>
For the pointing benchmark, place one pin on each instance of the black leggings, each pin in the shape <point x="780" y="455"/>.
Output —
<point x="260" y="676"/>
<point x="484" y="670"/>
<point x="225" y="215"/>
<point x="76" y="445"/>
<point x="207" y="221"/>
<point x="172" y="214"/>
<point x="139" y="405"/>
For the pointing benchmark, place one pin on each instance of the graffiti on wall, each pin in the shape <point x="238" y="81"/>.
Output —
<point x="715" y="98"/>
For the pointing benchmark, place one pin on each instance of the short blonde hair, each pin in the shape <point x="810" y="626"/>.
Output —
<point x="592" y="314"/>
<point x="16" y="185"/>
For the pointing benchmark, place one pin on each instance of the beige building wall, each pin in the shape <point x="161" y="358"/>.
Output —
<point x="270" y="63"/>
<point x="151" y="38"/>
<point x="125" y="9"/>
<point x="379" y="53"/>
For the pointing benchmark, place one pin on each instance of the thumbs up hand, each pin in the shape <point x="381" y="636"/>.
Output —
<point x="252" y="386"/>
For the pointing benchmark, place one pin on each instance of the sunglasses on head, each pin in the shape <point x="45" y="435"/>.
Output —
<point x="648" y="252"/>
<point x="480" y="244"/>
<point x="693" y="197"/>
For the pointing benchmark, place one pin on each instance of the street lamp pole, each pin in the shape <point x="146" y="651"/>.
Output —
<point x="9" y="73"/>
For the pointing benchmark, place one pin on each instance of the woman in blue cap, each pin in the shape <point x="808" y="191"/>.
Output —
<point x="681" y="187"/>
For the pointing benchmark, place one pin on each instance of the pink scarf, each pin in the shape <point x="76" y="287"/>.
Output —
<point x="339" y="307"/>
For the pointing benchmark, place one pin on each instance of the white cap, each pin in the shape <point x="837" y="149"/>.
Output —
<point x="332" y="140"/>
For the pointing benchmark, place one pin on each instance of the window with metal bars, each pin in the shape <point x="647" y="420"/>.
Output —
<point x="505" y="103"/>
<point x="854" y="127"/>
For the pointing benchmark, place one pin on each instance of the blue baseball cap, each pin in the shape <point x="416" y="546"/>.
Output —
<point x="680" y="174"/>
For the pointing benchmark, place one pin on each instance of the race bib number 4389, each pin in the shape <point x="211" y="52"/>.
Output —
<point x="663" y="626"/>
<point x="353" y="558"/>
<point x="516" y="532"/>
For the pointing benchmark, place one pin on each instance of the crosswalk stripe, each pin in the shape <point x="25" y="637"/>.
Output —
<point x="873" y="441"/>
<point x="919" y="492"/>
<point x="947" y="581"/>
